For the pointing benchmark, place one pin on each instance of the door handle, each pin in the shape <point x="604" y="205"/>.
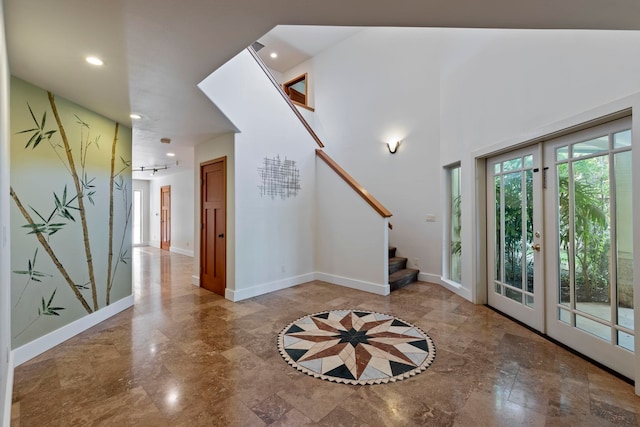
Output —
<point x="221" y="235"/>
<point x="536" y="247"/>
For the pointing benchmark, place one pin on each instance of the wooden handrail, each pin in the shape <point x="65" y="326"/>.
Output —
<point x="285" y="96"/>
<point x="376" y="205"/>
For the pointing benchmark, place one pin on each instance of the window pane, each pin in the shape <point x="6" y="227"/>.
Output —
<point x="513" y="294"/>
<point x="564" y="316"/>
<point x="622" y="139"/>
<point x="625" y="340"/>
<point x="498" y="288"/>
<point x="513" y="241"/>
<point x="496" y="168"/>
<point x="528" y="161"/>
<point x="624" y="238"/>
<point x="512" y="164"/>
<point x="593" y="146"/>
<point x="594" y="328"/>
<point x="564" y="267"/>
<point x="455" y="267"/>
<point x="529" y="250"/>
<point x="592" y="239"/>
<point x="562" y="153"/>
<point x="528" y="300"/>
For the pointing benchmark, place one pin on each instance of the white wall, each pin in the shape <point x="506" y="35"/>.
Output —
<point x="366" y="97"/>
<point x="510" y="85"/>
<point x="274" y="237"/>
<point x="221" y="146"/>
<point x="351" y="237"/>
<point x="143" y="186"/>
<point x="6" y="368"/>
<point x="182" y="207"/>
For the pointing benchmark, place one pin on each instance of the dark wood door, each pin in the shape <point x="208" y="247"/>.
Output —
<point x="213" y="239"/>
<point x="165" y="217"/>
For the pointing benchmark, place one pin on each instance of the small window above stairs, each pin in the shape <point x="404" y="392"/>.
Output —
<point x="399" y="275"/>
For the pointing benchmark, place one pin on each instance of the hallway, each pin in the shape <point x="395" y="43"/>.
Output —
<point x="185" y="356"/>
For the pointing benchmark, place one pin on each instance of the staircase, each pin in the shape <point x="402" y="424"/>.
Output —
<point x="399" y="275"/>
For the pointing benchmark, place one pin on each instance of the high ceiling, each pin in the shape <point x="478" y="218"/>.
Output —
<point x="157" y="51"/>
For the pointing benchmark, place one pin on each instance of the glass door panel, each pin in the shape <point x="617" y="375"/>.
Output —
<point x="514" y="235"/>
<point x="589" y="260"/>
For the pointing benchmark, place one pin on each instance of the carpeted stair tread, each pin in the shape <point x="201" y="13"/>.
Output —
<point x="397" y="263"/>
<point x="402" y="278"/>
<point x="392" y="251"/>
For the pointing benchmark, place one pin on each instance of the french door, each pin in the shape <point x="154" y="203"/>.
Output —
<point x="515" y="235"/>
<point x="560" y="240"/>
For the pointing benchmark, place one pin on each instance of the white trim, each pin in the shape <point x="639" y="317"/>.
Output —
<point x="8" y="393"/>
<point x="195" y="280"/>
<point x="154" y="243"/>
<point x="52" y="339"/>
<point x="374" y="288"/>
<point x="265" y="288"/>
<point x="181" y="251"/>
<point x="454" y="287"/>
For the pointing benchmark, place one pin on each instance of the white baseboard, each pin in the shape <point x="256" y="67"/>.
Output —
<point x="52" y="339"/>
<point x="154" y="243"/>
<point x="374" y="288"/>
<point x="181" y="251"/>
<point x="195" y="280"/>
<point x="456" y="288"/>
<point x="8" y="393"/>
<point x="264" y="288"/>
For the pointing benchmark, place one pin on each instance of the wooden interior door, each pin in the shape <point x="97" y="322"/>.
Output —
<point x="165" y="217"/>
<point x="213" y="226"/>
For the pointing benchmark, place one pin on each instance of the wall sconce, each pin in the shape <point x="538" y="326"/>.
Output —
<point x="393" y="146"/>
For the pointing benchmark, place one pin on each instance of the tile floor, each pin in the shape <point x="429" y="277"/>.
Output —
<point x="183" y="356"/>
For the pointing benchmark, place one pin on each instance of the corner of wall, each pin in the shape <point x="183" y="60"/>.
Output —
<point x="6" y="367"/>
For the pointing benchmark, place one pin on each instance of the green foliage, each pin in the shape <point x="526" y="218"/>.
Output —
<point x="87" y="185"/>
<point x="39" y="132"/>
<point x="47" y="309"/>
<point x="62" y="208"/>
<point x="31" y="271"/>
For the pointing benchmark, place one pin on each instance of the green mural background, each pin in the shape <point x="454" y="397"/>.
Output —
<point x="70" y="212"/>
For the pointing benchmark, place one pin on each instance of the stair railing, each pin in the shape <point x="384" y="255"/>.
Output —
<point x="375" y="204"/>
<point x="285" y="96"/>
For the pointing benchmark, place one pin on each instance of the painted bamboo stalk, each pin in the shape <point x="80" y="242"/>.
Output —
<point x="111" y="178"/>
<point x="50" y="252"/>
<point x="83" y="215"/>
<point x="124" y="233"/>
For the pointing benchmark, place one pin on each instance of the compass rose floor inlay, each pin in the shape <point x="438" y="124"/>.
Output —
<point x="356" y="347"/>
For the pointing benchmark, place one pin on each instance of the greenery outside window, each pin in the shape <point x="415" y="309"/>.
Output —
<point x="454" y="226"/>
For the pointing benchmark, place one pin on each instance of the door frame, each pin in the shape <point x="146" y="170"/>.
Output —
<point x="222" y="159"/>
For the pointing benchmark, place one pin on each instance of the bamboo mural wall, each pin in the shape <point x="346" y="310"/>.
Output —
<point x="70" y="213"/>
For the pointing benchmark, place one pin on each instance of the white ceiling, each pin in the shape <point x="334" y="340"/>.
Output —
<point x="157" y="51"/>
<point x="295" y="44"/>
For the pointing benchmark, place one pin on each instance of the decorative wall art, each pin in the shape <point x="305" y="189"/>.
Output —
<point x="71" y="212"/>
<point x="279" y="178"/>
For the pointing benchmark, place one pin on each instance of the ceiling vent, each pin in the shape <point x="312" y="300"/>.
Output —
<point x="257" y="46"/>
<point x="165" y="140"/>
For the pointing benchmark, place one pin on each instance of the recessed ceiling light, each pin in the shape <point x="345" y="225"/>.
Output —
<point x="94" y="60"/>
<point x="135" y="116"/>
<point x="171" y="154"/>
<point x="273" y="55"/>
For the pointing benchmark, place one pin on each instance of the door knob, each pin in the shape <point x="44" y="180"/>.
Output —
<point x="536" y="247"/>
<point x="221" y="235"/>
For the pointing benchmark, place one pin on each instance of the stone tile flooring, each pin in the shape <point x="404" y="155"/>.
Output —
<point x="184" y="356"/>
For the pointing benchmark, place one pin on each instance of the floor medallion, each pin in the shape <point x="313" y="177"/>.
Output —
<point x="356" y="347"/>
